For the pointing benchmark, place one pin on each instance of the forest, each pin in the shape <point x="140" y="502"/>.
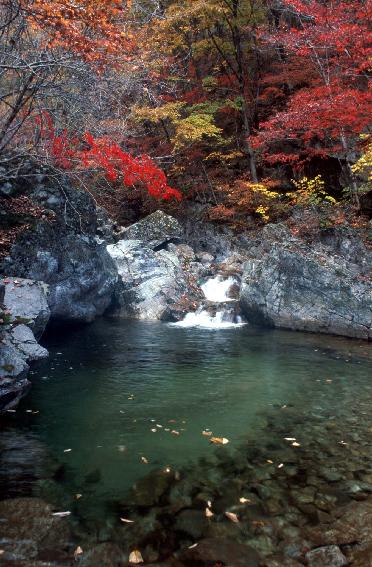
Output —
<point x="250" y="108"/>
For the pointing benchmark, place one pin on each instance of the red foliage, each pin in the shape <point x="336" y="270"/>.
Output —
<point x="325" y="113"/>
<point x="105" y="155"/>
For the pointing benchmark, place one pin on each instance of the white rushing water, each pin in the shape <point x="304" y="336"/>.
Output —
<point x="216" y="289"/>
<point x="202" y="318"/>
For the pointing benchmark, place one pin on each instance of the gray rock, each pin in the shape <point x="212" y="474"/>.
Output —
<point x="151" y="282"/>
<point x="65" y="253"/>
<point x="23" y="339"/>
<point x="7" y="189"/>
<point x="330" y="556"/>
<point x="289" y="284"/>
<point x="27" y="300"/>
<point x="154" y="230"/>
<point x="13" y="377"/>
<point x="80" y="274"/>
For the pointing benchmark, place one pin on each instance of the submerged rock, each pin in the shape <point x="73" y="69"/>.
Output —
<point x="215" y="551"/>
<point x="330" y="556"/>
<point x="28" y="529"/>
<point x="318" y="288"/>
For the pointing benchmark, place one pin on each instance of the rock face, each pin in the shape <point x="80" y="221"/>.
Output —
<point x="320" y="288"/>
<point x="27" y="300"/>
<point x="25" y="303"/>
<point x="154" y="230"/>
<point x="152" y="283"/>
<point x="66" y="255"/>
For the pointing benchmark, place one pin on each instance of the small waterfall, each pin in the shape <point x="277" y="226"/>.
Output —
<point x="219" y="311"/>
<point x="216" y="289"/>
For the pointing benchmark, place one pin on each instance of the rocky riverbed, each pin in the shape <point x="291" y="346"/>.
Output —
<point x="300" y="494"/>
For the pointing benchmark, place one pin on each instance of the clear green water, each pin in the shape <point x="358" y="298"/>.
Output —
<point x="106" y="386"/>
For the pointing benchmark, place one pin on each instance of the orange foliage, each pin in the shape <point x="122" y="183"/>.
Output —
<point x="94" y="29"/>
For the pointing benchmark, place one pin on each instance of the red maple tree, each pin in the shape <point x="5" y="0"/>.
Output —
<point x="331" y="106"/>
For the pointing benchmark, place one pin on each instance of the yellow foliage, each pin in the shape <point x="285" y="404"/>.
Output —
<point x="310" y="192"/>
<point x="170" y="111"/>
<point x="363" y="166"/>
<point x="194" y="129"/>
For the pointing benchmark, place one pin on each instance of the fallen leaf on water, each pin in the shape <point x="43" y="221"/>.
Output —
<point x="61" y="514"/>
<point x="78" y="496"/>
<point x="154" y="430"/>
<point x="122" y="448"/>
<point x="158" y="425"/>
<point x="67" y="450"/>
<point x="290" y="438"/>
<point x="126" y="521"/>
<point x="193" y="545"/>
<point x="208" y="513"/>
<point x="144" y="460"/>
<point x="243" y="500"/>
<point x="209" y="503"/>
<point x="233" y="517"/>
<point x="78" y="551"/>
<point x="280" y="466"/>
<point x="219" y="440"/>
<point x="166" y="429"/>
<point x="270" y="461"/>
<point x="207" y="433"/>
<point x="295" y="444"/>
<point x="175" y="432"/>
<point x="135" y="557"/>
<point x="167" y="470"/>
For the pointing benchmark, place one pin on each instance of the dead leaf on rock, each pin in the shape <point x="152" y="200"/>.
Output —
<point x="208" y="513"/>
<point x="219" y="440"/>
<point x="78" y="496"/>
<point x="233" y="517"/>
<point x="126" y="521"/>
<point x="78" y="551"/>
<point x="61" y="514"/>
<point x="243" y="500"/>
<point x="135" y="557"/>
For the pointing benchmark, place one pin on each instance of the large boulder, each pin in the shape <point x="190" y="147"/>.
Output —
<point x="322" y="287"/>
<point x="64" y="252"/>
<point x="152" y="283"/>
<point x="154" y="230"/>
<point x="24" y="312"/>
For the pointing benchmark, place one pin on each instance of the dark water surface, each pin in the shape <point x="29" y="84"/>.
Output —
<point x="105" y="387"/>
